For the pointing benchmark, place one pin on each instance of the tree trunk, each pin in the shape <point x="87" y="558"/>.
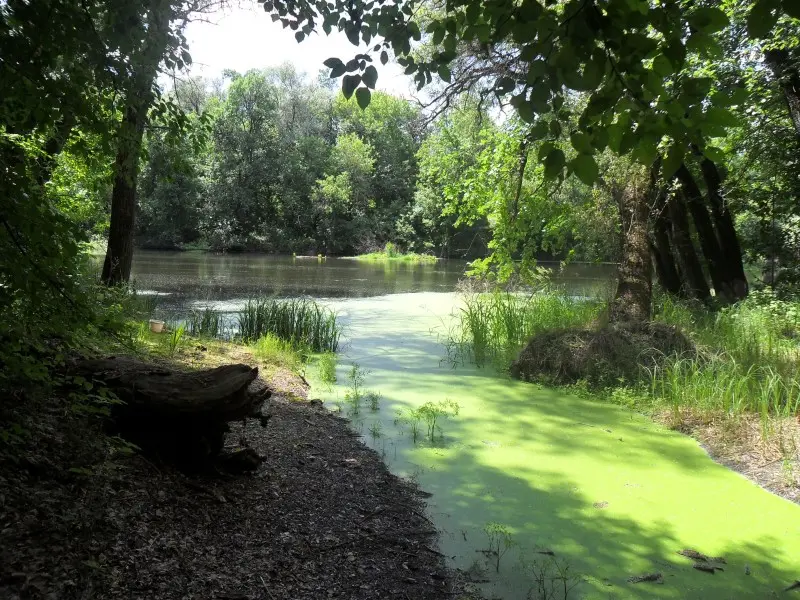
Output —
<point x="139" y="97"/>
<point x="726" y="231"/>
<point x="119" y="254"/>
<point x="694" y="280"/>
<point x="182" y="416"/>
<point x="663" y="257"/>
<point x="787" y="72"/>
<point x="709" y="242"/>
<point x="633" y="299"/>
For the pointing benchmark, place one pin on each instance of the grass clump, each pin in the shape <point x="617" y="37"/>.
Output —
<point x="492" y="327"/>
<point x="205" y="323"/>
<point x="390" y="252"/>
<point x="301" y="321"/>
<point x="271" y="349"/>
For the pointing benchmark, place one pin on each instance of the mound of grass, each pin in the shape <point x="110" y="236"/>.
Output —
<point x="614" y="354"/>
<point x="391" y="253"/>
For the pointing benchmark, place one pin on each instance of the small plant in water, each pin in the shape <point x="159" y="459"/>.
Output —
<point x="374" y="399"/>
<point x="355" y="385"/>
<point x="412" y="419"/>
<point x="552" y="579"/>
<point x="327" y="368"/>
<point x="433" y="412"/>
<point x="500" y="542"/>
<point x="375" y="430"/>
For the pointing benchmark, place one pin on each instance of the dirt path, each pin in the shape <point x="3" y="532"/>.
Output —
<point x="321" y="518"/>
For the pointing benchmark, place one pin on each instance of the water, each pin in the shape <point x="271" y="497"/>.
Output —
<point x="194" y="277"/>
<point x="607" y="491"/>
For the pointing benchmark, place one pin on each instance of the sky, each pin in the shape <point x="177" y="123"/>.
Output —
<point x="243" y="38"/>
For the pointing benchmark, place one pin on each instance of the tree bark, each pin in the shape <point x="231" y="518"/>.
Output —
<point x="726" y="231"/>
<point x="787" y="72"/>
<point x="694" y="280"/>
<point x="663" y="257"/>
<point x="139" y="97"/>
<point x="709" y="242"/>
<point x="633" y="299"/>
<point x="119" y="253"/>
<point x="178" y="415"/>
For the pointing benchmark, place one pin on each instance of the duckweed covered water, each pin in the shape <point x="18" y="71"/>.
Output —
<point x="609" y="493"/>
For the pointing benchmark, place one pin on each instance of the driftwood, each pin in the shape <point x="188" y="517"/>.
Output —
<point x="179" y="415"/>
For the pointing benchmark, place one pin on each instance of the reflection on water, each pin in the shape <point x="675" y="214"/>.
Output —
<point x="192" y="278"/>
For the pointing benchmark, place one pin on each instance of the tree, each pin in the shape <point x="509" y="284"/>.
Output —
<point x="632" y="62"/>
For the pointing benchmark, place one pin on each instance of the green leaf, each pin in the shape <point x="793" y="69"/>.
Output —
<point x="581" y="142"/>
<point x="555" y="128"/>
<point x="349" y="85"/>
<point x="370" y="77"/>
<point x="554" y="164"/>
<point x="525" y="111"/>
<point x="333" y="62"/>
<point x="762" y="18"/>
<point x="714" y="154"/>
<point x="673" y="161"/>
<point x="721" y="116"/>
<point x="539" y="130"/>
<point x="444" y="73"/>
<point x="338" y="70"/>
<point x="708" y="19"/>
<point x="384" y="57"/>
<point x="585" y="167"/>
<point x="363" y="96"/>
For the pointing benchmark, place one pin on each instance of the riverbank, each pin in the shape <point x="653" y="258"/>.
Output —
<point x="322" y="517"/>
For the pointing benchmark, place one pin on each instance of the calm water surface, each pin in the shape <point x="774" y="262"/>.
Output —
<point x="189" y="278"/>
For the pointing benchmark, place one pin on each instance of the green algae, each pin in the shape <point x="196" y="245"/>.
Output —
<point x="607" y="491"/>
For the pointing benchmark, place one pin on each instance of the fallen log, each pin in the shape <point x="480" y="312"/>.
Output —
<point x="179" y="415"/>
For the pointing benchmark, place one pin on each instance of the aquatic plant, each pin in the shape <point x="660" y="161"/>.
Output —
<point x="355" y="387"/>
<point x="374" y="399"/>
<point x="302" y="321"/>
<point x="500" y="542"/>
<point x="205" y="323"/>
<point x="326" y="363"/>
<point x="375" y="429"/>
<point x="553" y="579"/>
<point x="433" y="412"/>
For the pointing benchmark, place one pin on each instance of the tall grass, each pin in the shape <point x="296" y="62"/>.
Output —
<point x="493" y="327"/>
<point x="301" y="321"/>
<point x="748" y="360"/>
<point x="748" y="356"/>
<point x="205" y="323"/>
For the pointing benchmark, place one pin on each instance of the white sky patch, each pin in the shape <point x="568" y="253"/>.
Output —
<point x="243" y="38"/>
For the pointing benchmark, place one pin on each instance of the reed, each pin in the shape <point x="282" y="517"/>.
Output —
<point x="300" y="321"/>
<point x="205" y="323"/>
